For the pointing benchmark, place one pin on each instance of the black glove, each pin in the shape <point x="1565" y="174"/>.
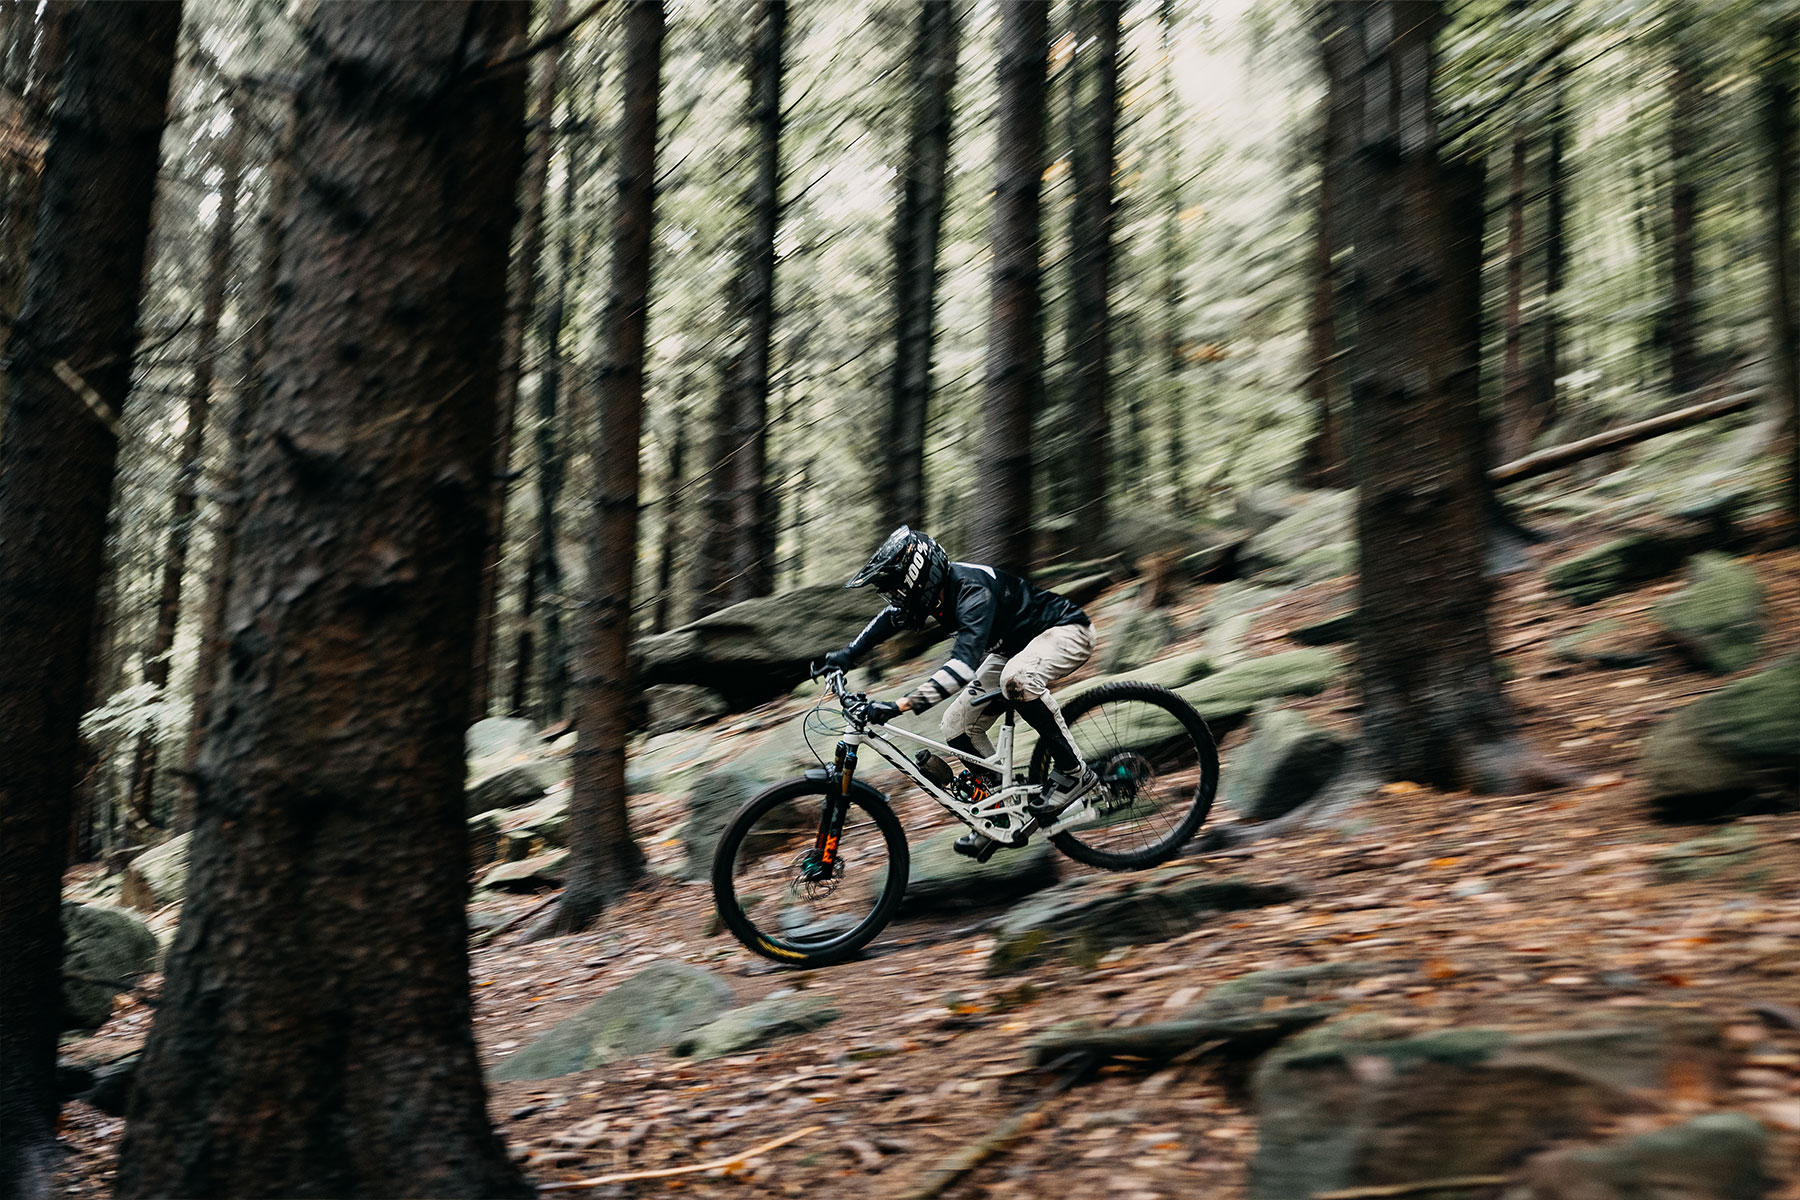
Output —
<point x="880" y="712"/>
<point x="837" y="660"/>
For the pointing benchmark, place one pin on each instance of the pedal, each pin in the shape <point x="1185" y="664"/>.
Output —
<point x="988" y="851"/>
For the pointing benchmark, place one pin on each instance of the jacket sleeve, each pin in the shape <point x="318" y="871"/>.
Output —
<point x="974" y="628"/>
<point x="877" y="631"/>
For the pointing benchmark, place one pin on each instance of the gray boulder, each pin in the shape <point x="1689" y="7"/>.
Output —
<point x="1084" y="918"/>
<point x="533" y="874"/>
<point x="1287" y="762"/>
<point x="1338" y="1111"/>
<point x="515" y="783"/>
<point x="650" y="1010"/>
<point x="1617" y="566"/>
<point x="940" y="880"/>
<point x="1603" y="643"/>
<point x="162" y="872"/>
<point x="1716" y="619"/>
<point x="1315" y="983"/>
<point x="1719" y="1156"/>
<point x="757" y="650"/>
<point x="1310" y="543"/>
<point x="499" y="737"/>
<point x="1235" y="692"/>
<point x="1742" y="739"/>
<point x="755" y="1025"/>
<point x="715" y="799"/>
<point x="672" y="706"/>
<point x="1135" y="641"/>
<point x="105" y="951"/>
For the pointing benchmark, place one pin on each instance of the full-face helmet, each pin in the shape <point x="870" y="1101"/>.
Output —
<point x="910" y="570"/>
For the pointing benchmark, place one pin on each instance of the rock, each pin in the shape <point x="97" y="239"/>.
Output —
<point x="546" y="820"/>
<point x="1323" y="522"/>
<point x="110" y="1085"/>
<point x="499" y="737"/>
<point x="1716" y="619"/>
<point x="1742" y="739"/>
<point x="1722" y="851"/>
<point x="516" y="783"/>
<point x="1340" y="1110"/>
<point x="939" y="879"/>
<point x="1330" y="632"/>
<point x="1617" y="566"/>
<point x="1082" y="919"/>
<point x="759" y="649"/>
<point x="1604" y="643"/>
<point x="105" y="952"/>
<point x="1287" y="761"/>
<point x="1228" y="642"/>
<point x="484" y="839"/>
<point x="1715" y="1157"/>
<point x="711" y="805"/>
<point x="163" y="871"/>
<point x="1170" y="672"/>
<point x="673" y="706"/>
<point x="756" y="1025"/>
<point x="1259" y="991"/>
<point x="647" y="1011"/>
<point x="527" y="874"/>
<point x="1235" y="692"/>
<point x="1140" y="536"/>
<point x="1135" y="641"/>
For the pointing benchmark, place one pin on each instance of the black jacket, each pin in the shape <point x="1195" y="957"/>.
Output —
<point x="990" y="611"/>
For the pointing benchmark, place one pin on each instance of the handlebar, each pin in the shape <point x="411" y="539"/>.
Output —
<point x="854" y="704"/>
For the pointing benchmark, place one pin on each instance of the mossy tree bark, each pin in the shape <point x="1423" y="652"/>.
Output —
<point x="314" y="1034"/>
<point x="1095" y="94"/>
<point x="603" y="858"/>
<point x="1002" y="525"/>
<point x="1433" y="711"/>
<point x="917" y="222"/>
<point x="69" y="371"/>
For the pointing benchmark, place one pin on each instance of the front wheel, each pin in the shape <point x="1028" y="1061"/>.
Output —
<point x="783" y="897"/>
<point x="1158" y="768"/>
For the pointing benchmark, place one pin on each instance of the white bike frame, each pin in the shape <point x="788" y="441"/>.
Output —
<point x="1009" y="800"/>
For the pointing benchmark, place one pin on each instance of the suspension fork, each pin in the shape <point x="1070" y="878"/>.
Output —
<point x="837" y="807"/>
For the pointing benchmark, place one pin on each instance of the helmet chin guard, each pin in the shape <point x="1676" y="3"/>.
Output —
<point x="909" y="569"/>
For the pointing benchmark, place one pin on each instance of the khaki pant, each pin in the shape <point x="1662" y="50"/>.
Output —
<point x="1027" y="675"/>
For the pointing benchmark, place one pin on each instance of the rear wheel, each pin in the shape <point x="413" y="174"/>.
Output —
<point x="773" y="890"/>
<point x="1158" y="768"/>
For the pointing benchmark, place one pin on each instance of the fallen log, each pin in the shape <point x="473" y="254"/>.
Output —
<point x="1556" y="457"/>
<point x="1165" y="1040"/>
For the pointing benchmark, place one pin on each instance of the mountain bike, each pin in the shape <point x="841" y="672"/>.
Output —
<point x="811" y="869"/>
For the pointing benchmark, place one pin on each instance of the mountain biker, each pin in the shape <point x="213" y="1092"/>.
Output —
<point x="1010" y="634"/>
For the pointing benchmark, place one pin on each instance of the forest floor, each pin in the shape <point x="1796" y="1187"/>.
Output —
<point x="1549" y="910"/>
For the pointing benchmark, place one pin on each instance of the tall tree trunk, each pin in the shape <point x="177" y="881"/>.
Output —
<point x="314" y="1033"/>
<point x="1433" y="711"/>
<point x="546" y="568"/>
<point x="230" y="510"/>
<point x="603" y="858"/>
<point x="193" y="458"/>
<point x="1682" y="323"/>
<point x="1096" y="96"/>
<point x="722" y="451"/>
<point x="57" y="452"/>
<point x="753" y="504"/>
<point x="1519" y="427"/>
<point x="521" y="301"/>
<point x="1322" y="460"/>
<point x="664" y="613"/>
<point x="917" y="221"/>
<point x="1547" y="365"/>
<point x="1015" y="358"/>
<point x="1778" y="121"/>
<point x="1170" y="327"/>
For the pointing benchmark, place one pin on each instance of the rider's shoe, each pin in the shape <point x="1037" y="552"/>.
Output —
<point x="1063" y="788"/>
<point x="970" y="844"/>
